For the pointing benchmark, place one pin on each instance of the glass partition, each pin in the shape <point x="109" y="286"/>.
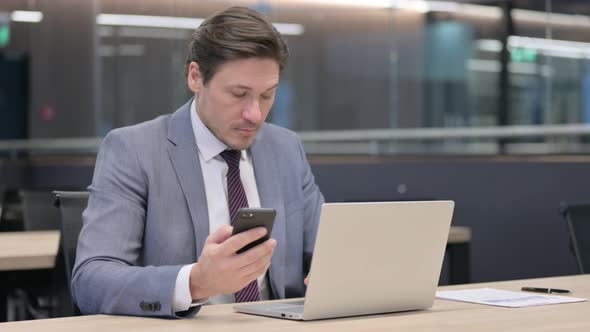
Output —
<point x="355" y="66"/>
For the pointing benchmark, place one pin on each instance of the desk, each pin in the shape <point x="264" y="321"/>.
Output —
<point x="458" y="252"/>
<point x="25" y="251"/>
<point x="443" y="316"/>
<point x="28" y="250"/>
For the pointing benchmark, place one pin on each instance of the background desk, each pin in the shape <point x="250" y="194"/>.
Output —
<point x="443" y="316"/>
<point x="28" y="250"/>
<point x="24" y="251"/>
<point x="37" y="250"/>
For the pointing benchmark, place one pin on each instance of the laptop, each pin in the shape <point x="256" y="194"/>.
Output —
<point x="370" y="258"/>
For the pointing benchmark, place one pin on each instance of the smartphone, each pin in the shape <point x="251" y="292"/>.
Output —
<point x="248" y="218"/>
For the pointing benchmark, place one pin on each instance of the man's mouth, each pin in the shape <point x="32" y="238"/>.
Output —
<point x="246" y="130"/>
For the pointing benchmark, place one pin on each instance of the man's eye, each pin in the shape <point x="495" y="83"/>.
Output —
<point x="266" y="97"/>
<point x="239" y="95"/>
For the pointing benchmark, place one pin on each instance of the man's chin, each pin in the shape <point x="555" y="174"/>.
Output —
<point x="242" y="144"/>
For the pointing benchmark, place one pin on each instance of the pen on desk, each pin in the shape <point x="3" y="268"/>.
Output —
<point x="546" y="290"/>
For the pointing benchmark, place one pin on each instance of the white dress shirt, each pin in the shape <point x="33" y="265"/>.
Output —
<point x="214" y="171"/>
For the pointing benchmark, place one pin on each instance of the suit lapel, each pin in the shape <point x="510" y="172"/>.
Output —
<point x="268" y="178"/>
<point x="185" y="160"/>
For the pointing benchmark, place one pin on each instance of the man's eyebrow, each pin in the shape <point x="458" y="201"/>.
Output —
<point x="240" y="86"/>
<point x="273" y="87"/>
<point x="245" y="87"/>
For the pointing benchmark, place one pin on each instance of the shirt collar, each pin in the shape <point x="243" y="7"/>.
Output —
<point x="209" y="145"/>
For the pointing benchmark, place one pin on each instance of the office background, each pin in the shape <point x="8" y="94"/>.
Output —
<point x="483" y="102"/>
<point x="354" y="64"/>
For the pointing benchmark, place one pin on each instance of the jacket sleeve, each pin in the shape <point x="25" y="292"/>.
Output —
<point x="107" y="277"/>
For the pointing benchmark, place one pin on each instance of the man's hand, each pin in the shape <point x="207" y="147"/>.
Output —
<point x="306" y="280"/>
<point x="221" y="271"/>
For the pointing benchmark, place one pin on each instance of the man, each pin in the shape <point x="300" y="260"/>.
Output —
<point x="156" y="239"/>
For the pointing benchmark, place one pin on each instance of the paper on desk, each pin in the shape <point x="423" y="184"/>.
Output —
<point x="504" y="298"/>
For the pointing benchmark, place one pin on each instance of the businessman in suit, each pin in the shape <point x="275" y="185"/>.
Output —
<point x="156" y="239"/>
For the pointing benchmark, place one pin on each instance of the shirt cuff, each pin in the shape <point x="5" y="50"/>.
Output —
<point x="182" y="293"/>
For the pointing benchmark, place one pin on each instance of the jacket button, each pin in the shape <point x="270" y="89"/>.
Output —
<point x="144" y="306"/>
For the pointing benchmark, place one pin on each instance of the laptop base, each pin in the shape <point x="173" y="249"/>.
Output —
<point x="287" y="310"/>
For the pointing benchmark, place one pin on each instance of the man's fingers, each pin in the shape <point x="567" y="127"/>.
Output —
<point x="220" y="235"/>
<point x="253" y="254"/>
<point x="256" y="273"/>
<point x="238" y="241"/>
<point x="252" y="271"/>
<point x="255" y="263"/>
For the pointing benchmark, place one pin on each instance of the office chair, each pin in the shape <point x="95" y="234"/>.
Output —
<point x="577" y="217"/>
<point x="71" y="204"/>
<point x="38" y="211"/>
<point x="11" y="219"/>
<point x="34" y="294"/>
<point x="1" y="202"/>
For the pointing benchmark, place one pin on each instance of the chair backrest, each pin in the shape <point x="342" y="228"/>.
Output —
<point x="71" y="204"/>
<point x="38" y="211"/>
<point x="577" y="217"/>
<point x="1" y="202"/>
<point x="11" y="219"/>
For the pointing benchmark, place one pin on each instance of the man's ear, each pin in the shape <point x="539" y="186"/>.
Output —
<point x="194" y="77"/>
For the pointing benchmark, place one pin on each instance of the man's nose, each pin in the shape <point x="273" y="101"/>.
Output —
<point x="253" y="113"/>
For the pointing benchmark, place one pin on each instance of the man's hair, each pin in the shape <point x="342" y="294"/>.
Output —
<point x="231" y="34"/>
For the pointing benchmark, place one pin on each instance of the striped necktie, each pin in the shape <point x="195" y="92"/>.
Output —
<point x="236" y="199"/>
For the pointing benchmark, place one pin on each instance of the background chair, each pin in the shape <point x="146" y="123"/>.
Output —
<point x="1" y="202"/>
<point x="11" y="216"/>
<point x="71" y="205"/>
<point x="577" y="217"/>
<point x="38" y="211"/>
<point x="35" y="293"/>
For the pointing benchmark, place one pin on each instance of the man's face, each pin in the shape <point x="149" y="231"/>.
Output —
<point x="237" y="99"/>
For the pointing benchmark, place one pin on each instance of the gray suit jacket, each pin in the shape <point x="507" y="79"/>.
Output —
<point x="147" y="215"/>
